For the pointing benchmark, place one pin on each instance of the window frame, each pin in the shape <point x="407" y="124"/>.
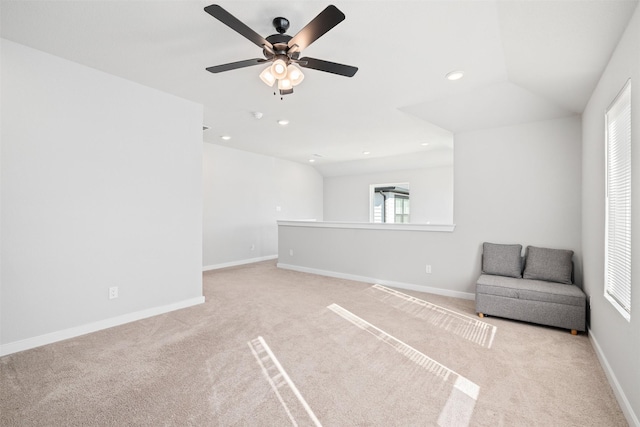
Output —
<point x="618" y="203"/>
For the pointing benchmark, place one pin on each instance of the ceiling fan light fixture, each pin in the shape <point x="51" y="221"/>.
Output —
<point x="266" y="76"/>
<point x="285" y="84"/>
<point x="279" y="69"/>
<point x="295" y="75"/>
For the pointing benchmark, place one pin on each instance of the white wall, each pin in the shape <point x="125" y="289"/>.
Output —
<point x="346" y="198"/>
<point x="101" y="186"/>
<point x="521" y="184"/>
<point x="242" y="192"/>
<point x="618" y="340"/>
<point x="517" y="184"/>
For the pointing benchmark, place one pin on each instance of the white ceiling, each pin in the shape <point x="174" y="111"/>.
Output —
<point x="524" y="60"/>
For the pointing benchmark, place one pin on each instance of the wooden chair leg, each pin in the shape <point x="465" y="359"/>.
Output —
<point x="574" y="332"/>
<point x="481" y="315"/>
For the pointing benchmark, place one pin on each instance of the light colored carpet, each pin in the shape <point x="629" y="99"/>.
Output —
<point x="273" y="347"/>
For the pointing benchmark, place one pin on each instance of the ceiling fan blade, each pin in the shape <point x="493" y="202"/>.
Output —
<point x="329" y="67"/>
<point x="235" y="24"/>
<point x="326" y="20"/>
<point x="236" y="65"/>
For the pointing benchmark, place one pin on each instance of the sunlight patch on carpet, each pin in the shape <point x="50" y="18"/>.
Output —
<point x="458" y="409"/>
<point x="469" y="328"/>
<point x="284" y="388"/>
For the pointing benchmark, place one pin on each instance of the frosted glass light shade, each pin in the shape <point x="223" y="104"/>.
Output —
<point x="279" y="69"/>
<point x="285" y="84"/>
<point x="267" y="77"/>
<point x="295" y="75"/>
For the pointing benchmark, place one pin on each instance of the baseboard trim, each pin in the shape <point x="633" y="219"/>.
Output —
<point x="29" y="343"/>
<point x="621" y="397"/>
<point x="240" y="262"/>
<point x="372" y="280"/>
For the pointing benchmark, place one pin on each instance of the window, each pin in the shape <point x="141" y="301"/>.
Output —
<point x="389" y="203"/>
<point x="617" y="269"/>
<point x="402" y="208"/>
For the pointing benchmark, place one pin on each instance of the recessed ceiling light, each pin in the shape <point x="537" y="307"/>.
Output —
<point x="283" y="122"/>
<point x="366" y="152"/>
<point x="225" y="137"/>
<point x="424" y="144"/>
<point x="455" y="75"/>
<point x="312" y="160"/>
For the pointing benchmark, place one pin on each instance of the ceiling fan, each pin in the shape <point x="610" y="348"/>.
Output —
<point x="282" y="50"/>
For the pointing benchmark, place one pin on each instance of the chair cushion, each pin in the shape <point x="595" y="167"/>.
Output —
<point x="552" y="265"/>
<point x="502" y="260"/>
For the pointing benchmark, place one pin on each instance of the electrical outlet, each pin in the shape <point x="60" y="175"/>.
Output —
<point x="428" y="269"/>
<point x="113" y="292"/>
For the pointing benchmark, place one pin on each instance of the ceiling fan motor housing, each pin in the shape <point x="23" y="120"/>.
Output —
<point x="280" y="46"/>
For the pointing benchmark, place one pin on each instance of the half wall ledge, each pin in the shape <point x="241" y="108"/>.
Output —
<point x="369" y="225"/>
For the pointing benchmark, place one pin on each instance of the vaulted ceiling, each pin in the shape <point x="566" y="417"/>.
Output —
<point x="523" y="61"/>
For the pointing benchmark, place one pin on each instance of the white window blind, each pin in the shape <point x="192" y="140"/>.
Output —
<point x="618" y="203"/>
